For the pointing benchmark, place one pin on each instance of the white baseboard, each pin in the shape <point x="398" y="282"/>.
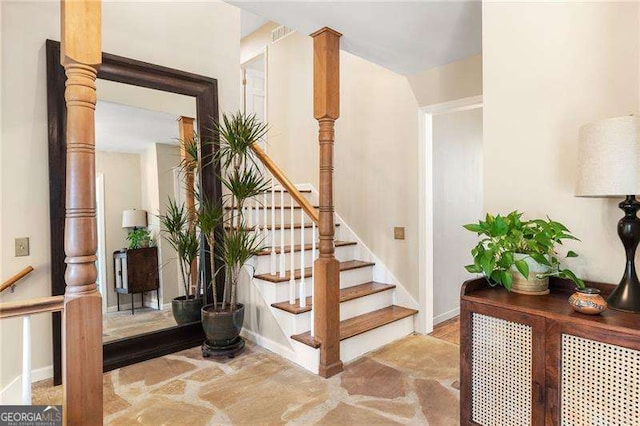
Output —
<point x="11" y="394"/>
<point x="268" y="344"/>
<point x="445" y="316"/>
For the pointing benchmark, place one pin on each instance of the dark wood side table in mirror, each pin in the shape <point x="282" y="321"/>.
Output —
<point x="136" y="272"/>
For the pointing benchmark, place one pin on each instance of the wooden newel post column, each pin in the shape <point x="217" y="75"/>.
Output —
<point x="326" y="109"/>
<point x="81" y="54"/>
<point x="185" y="131"/>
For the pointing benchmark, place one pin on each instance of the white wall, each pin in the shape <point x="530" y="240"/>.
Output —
<point x="457" y="200"/>
<point x="375" y="183"/>
<point x="549" y="68"/>
<point x="202" y="38"/>
<point x="167" y="158"/>
<point x="122" y="191"/>
<point x="457" y="80"/>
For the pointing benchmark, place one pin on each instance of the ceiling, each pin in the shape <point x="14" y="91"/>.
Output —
<point x="250" y="22"/>
<point x="122" y="128"/>
<point x="406" y="37"/>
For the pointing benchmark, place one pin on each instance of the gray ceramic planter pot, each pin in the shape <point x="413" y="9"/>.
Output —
<point x="186" y="311"/>
<point x="222" y="328"/>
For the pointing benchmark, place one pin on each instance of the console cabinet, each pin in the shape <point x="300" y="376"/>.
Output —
<point x="136" y="271"/>
<point x="532" y="360"/>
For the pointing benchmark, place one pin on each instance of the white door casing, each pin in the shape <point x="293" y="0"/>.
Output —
<point x="425" y="203"/>
<point x="102" y="249"/>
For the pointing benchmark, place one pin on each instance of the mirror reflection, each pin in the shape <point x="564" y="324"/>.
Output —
<point x="137" y="171"/>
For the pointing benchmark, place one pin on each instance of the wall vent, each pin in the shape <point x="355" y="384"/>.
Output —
<point x="280" y="33"/>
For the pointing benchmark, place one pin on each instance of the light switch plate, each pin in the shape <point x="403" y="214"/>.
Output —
<point x="22" y="246"/>
<point x="398" y="233"/>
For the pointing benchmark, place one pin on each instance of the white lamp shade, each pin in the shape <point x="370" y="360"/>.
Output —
<point x="608" y="163"/>
<point x="134" y="218"/>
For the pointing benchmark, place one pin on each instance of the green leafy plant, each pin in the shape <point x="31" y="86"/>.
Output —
<point x="208" y="217"/>
<point x="184" y="240"/>
<point x="237" y="133"/>
<point x="139" y="237"/>
<point x="237" y="247"/>
<point x="243" y="179"/>
<point x="502" y="237"/>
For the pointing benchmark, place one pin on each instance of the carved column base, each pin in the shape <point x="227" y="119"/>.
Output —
<point x="326" y="300"/>
<point x="82" y="358"/>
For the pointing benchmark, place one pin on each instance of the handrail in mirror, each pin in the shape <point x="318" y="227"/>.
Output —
<point x="14" y="279"/>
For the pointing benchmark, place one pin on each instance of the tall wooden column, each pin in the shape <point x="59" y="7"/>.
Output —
<point x="326" y="109"/>
<point x="81" y="55"/>
<point x="185" y="131"/>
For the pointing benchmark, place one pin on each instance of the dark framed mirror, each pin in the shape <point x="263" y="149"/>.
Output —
<point x="121" y="351"/>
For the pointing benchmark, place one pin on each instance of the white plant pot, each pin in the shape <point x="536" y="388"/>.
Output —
<point x="531" y="285"/>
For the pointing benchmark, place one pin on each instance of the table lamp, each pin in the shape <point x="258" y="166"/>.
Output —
<point x="134" y="218"/>
<point x="608" y="166"/>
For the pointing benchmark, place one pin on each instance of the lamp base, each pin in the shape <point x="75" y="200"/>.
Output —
<point x="626" y="296"/>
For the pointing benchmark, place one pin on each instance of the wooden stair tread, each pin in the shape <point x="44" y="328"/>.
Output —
<point x="287" y="249"/>
<point x="361" y="324"/>
<point x="346" y="294"/>
<point x="344" y="266"/>
<point x="279" y="227"/>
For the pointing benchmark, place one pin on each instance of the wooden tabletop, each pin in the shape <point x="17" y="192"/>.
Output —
<point x="554" y="305"/>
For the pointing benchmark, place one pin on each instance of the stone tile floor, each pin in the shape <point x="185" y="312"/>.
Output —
<point x="411" y="381"/>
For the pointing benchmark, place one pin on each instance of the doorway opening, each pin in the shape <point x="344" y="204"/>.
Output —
<point x="254" y="86"/>
<point x="450" y="185"/>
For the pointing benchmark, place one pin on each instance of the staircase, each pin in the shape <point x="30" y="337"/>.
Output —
<point x="370" y="311"/>
<point x="317" y="295"/>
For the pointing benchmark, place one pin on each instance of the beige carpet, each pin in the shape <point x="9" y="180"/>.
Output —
<point x="411" y="381"/>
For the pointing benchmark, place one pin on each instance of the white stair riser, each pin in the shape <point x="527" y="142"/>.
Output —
<point x="302" y="322"/>
<point x="250" y="218"/>
<point x="356" y="346"/>
<point x="263" y="263"/>
<point x="359" y="345"/>
<point x="279" y="292"/>
<point x="288" y="200"/>
<point x="296" y="236"/>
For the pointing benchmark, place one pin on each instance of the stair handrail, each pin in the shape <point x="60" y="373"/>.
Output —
<point x="25" y="309"/>
<point x="17" y="277"/>
<point x="277" y="173"/>
<point x="36" y="305"/>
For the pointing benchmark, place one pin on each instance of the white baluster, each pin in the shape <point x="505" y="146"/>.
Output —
<point x="282" y="267"/>
<point x="26" y="360"/>
<point x="273" y="228"/>
<point x="313" y="269"/>
<point x="292" y="241"/>
<point x="255" y="213"/>
<point x="265" y="221"/>
<point x="303" y="290"/>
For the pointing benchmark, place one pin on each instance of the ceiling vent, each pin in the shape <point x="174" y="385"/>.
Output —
<point x="280" y="33"/>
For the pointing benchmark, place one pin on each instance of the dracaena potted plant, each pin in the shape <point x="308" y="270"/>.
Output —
<point x="178" y="228"/>
<point x="183" y="238"/>
<point x="520" y="255"/>
<point x="222" y="320"/>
